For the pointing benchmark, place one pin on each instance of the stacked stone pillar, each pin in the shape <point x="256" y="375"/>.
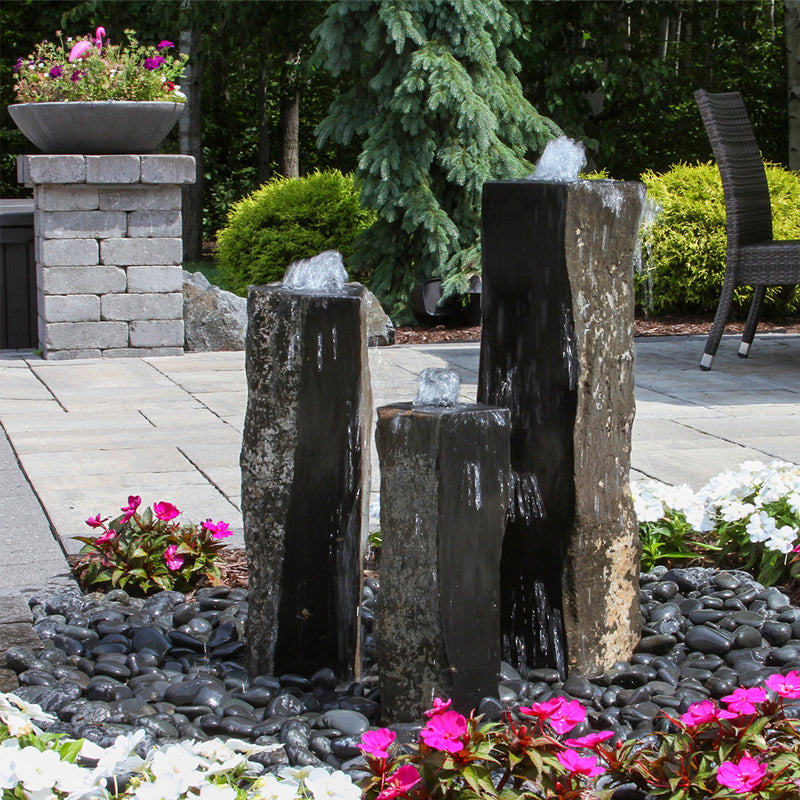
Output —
<point x="108" y="253"/>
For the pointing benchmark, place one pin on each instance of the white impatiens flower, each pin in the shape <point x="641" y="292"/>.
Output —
<point x="8" y="774"/>
<point x="117" y="758"/>
<point x="647" y="506"/>
<point x="167" y="787"/>
<point x="760" y="527"/>
<point x="210" y="791"/>
<point x="733" y="510"/>
<point x="268" y="787"/>
<point x="782" y="539"/>
<point x="177" y="762"/>
<point x="325" y="785"/>
<point x="36" y="769"/>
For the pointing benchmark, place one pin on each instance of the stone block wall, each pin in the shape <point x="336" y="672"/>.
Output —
<point x="108" y="253"/>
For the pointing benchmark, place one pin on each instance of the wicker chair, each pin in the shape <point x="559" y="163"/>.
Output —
<point x="753" y="257"/>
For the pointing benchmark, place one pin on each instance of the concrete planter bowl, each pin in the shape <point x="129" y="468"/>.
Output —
<point x="95" y="128"/>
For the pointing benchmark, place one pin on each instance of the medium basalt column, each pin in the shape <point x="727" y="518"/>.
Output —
<point x="305" y="476"/>
<point x="443" y="505"/>
<point x="557" y="350"/>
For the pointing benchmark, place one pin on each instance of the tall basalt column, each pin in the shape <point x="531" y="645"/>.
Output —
<point x="305" y="476"/>
<point x="557" y="350"/>
<point x="443" y="504"/>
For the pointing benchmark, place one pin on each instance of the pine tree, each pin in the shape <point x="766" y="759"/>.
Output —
<point x="438" y="110"/>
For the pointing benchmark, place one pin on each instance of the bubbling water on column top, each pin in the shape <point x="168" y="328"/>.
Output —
<point x="437" y="387"/>
<point x="324" y="272"/>
<point x="562" y="160"/>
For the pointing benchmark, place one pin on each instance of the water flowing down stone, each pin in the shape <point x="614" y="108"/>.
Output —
<point x="444" y="490"/>
<point x="557" y="350"/>
<point x="305" y="475"/>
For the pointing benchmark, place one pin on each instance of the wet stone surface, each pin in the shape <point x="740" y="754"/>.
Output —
<point x="102" y="681"/>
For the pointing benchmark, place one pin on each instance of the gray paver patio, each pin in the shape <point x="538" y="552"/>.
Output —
<point x="90" y="432"/>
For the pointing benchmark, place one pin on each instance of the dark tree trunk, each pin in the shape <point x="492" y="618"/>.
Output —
<point x="190" y="127"/>
<point x="263" y="125"/>
<point x="290" y="130"/>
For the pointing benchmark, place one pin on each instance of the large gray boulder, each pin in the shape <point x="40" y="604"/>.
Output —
<point x="213" y="319"/>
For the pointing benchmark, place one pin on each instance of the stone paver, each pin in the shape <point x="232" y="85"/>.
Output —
<point x="88" y="433"/>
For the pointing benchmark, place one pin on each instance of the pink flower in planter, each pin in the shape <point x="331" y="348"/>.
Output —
<point x="82" y="49"/>
<point x="785" y="685"/>
<point x="376" y="743"/>
<point x="173" y="558"/>
<point x="154" y="62"/>
<point x="742" y="777"/>
<point x="742" y="701"/>
<point x="56" y="71"/>
<point x="445" y="731"/>
<point x="134" y="501"/>
<point x="581" y="765"/>
<point x="439" y="706"/>
<point x="165" y="511"/>
<point x="165" y="44"/>
<point x="703" y="712"/>
<point x="96" y="522"/>
<point x="76" y="76"/>
<point x="219" y="530"/>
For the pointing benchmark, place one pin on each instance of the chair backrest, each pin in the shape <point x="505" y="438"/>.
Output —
<point x="744" y="182"/>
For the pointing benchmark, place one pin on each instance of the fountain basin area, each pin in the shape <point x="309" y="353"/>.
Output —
<point x="176" y="669"/>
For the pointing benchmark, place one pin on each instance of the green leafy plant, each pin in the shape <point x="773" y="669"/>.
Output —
<point x="749" y="518"/>
<point x="287" y="219"/>
<point x="684" y="250"/>
<point x="90" y="68"/>
<point x="149" y="551"/>
<point x="749" y="748"/>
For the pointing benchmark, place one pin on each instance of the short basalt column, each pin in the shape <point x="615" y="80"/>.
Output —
<point x="305" y="476"/>
<point x="557" y="350"/>
<point x="443" y="504"/>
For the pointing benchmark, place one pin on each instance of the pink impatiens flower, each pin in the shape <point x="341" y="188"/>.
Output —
<point x="106" y="537"/>
<point x="785" y="685"/>
<point x="165" y="44"/>
<point x="219" y="530"/>
<point x="439" y="706"/>
<point x="165" y="511"/>
<point x="173" y="558"/>
<point x="153" y="62"/>
<point x="703" y="712"/>
<point x="742" y="701"/>
<point x="590" y="740"/>
<point x="445" y="731"/>
<point x="376" y="743"/>
<point x="399" y="782"/>
<point x="96" y="522"/>
<point x="562" y="714"/>
<point x="134" y="501"/>
<point x="581" y="765"/>
<point x="742" y="777"/>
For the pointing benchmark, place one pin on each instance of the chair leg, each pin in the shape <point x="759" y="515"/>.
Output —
<point x="720" y="318"/>
<point x="752" y="320"/>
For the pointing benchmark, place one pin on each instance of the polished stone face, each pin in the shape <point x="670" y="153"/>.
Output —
<point x="305" y="478"/>
<point x="557" y="350"/>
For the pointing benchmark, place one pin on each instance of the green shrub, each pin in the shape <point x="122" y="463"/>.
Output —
<point x="684" y="250"/>
<point x="287" y="219"/>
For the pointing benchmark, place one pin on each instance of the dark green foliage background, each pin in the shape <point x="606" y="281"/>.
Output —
<point x="287" y="219"/>
<point x="684" y="250"/>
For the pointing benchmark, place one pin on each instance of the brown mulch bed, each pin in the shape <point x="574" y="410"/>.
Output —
<point x="672" y="325"/>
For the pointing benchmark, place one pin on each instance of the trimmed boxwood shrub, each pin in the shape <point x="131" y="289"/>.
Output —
<point x="684" y="250"/>
<point x="287" y="219"/>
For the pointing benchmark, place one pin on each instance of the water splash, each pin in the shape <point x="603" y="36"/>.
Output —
<point x="526" y="503"/>
<point x="437" y="387"/>
<point x="562" y="160"/>
<point x="641" y="254"/>
<point x="321" y="273"/>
